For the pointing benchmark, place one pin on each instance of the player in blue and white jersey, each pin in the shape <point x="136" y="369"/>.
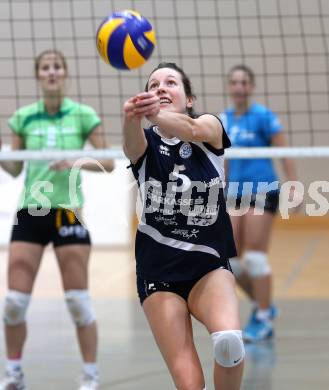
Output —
<point x="253" y="197"/>
<point x="184" y="237"/>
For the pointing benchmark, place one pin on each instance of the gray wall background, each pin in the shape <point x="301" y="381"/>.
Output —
<point x="285" y="41"/>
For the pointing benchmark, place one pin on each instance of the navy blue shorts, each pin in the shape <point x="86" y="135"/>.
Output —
<point x="145" y="288"/>
<point x="59" y="226"/>
<point x="271" y="201"/>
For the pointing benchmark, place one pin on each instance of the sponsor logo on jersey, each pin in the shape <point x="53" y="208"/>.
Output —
<point x="69" y="130"/>
<point x="38" y="132"/>
<point x="185" y="151"/>
<point x="236" y="133"/>
<point x="164" y="150"/>
<point x="186" y="233"/>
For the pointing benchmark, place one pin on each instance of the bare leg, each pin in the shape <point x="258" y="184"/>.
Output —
<point x="262" y="291"/>
<point x="257" y="231"/>
<point x="242" y="278"/>
<point x="87" y="338"/>
<point x="73" y="263"/>
<point x="237" y="226"/>
<point x="245" y="283"/>
<point x="15" y="340"/>
<point x="24" y="262"/>
<point x="213" y="302"/>
<point x="170" y="321"/>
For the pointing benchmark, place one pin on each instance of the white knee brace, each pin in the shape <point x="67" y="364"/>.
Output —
<point x="79" y="305"/>
<point x="256" y="264"/>
<point x="237" y="266"/>
<point x="16" y="304"/>
<point x="228" y="347"/>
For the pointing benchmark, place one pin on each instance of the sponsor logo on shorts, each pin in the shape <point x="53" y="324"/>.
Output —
<point x="151" y="287"/>
<point x="75" y="230"/>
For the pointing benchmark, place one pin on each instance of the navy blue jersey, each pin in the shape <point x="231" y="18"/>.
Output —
<point x="184" y="229"/>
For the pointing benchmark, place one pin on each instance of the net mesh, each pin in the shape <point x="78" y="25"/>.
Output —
<point x="285" y="42"/>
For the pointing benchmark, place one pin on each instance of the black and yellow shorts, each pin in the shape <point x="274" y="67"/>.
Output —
<point x="59" y="226"/>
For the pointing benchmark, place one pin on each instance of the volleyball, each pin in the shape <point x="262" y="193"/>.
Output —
<point x="125" y="40"/>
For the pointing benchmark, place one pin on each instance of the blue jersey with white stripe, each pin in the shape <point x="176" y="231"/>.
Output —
<point x="252" y="129"/>
<point x="184" y="230"/>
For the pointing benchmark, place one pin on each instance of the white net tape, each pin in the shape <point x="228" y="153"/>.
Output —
<point x="259" y="152"/>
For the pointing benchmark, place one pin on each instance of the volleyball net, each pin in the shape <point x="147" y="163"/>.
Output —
<point x="284" y="42"/>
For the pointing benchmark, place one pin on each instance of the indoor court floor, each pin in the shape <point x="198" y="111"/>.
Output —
<point x="297" y="358"/>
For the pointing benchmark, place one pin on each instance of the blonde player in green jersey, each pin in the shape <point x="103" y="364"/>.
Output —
<point x="54" y="122"/>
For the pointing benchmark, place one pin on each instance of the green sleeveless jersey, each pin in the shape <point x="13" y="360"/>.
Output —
<point x="67" y="129"/>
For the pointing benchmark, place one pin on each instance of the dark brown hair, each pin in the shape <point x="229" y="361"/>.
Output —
<point x="186" y="82"/>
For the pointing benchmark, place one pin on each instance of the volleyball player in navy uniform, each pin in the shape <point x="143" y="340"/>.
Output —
<point x="184" y="238"/>
<point x="253" y="194"/>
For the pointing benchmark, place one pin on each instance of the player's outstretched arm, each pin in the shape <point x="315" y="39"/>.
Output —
<point x="288" y="164"/>
<point x="98" y="141"/>
<point x="205" y="128"/>
<point x="134" y="140"/>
